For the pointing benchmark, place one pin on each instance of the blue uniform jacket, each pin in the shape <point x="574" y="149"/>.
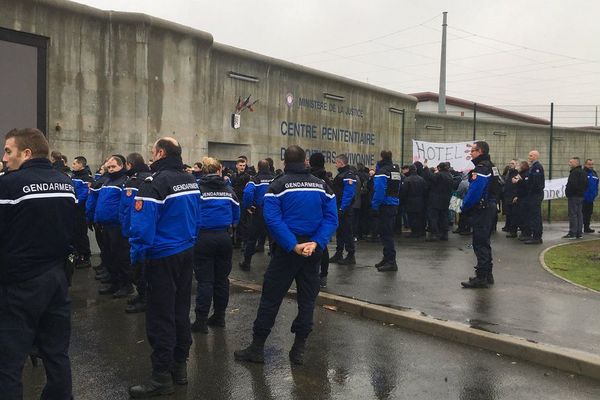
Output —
<point x="130" y="190"/>
<point x="299" y="205"/>
<point x="165" y="216"/>
<point x="591" y="190"/>
<point x="536" y="179"/>
<point x="255" y="190"/>
<point x="478" y="182"/>
<point x="386" y="185"/>
<point x="219" y="206"/>
<point x="109" y="199"/>
<point x="92" y="200"/>
<point x="344" y="187"/>
<point x="81" y="180"/>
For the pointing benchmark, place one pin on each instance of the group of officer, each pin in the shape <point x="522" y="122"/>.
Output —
<point x="158" y="225"/>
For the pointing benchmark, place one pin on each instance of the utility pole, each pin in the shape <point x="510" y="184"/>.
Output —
<point x="442" y="93"/>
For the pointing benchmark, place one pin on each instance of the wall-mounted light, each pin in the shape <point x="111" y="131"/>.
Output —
<point x="242" y="77"/>
<point x="434" y="127"/>
<point x="333" y="97"/>
<point x="499" y="133"/>
<point x="396" y="110"/>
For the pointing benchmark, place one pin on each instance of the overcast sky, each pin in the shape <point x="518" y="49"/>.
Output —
<point x="522" y="53"/>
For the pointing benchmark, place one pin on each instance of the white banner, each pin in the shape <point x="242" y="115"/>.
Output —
<point x="457" y="154"/>
<point x="555" y="188"/>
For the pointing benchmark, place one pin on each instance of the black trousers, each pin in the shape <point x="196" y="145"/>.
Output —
<point x="343" y="235"/>
<point x="257" y="230"/>
<point x="438" y="222"/>
<point x="483" y="223"/>
<point x="169" y="293"/>
<point x="509" y="211"/>
<point x="387" y="219"/>
<point x="117" y="249"/>
<point x="324" y="263"/>
<point x="36" y="312"/>
<point x="416" y="220"/>
<point x="99" y="234"/>
<point x="588" y="210"/>
<point x="533" y="205"/>
<point x="81" y="242"/>
<point x="283" y="269"/>
<point x="212" y="266"/>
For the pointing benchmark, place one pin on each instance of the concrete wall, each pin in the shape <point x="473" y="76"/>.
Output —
<point x="509" y="140"/>
<point x="118" y="81"/>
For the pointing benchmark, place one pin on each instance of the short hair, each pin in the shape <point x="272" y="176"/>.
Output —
<point x="81" y="160"/>
<point x="386" y="154"/>
<point x="56" y="155"/>
<point x="198" y="164"/>
<point x="242" y="160"/>
<point x="119" y="160"/>
<point x="210" y="165"/>
<point x="588" y="159"/>
<point x="576" y="159"/>
<point x="482" y="146"/>
<point x="170" y="148"/>
<point x="64" y="158"/>
<point x="343" y="158"/>
<point x="32" y="139"/>
<point x="294" y="154"/>
<point x="135" y="159"/>
<point x="263" y="165"/>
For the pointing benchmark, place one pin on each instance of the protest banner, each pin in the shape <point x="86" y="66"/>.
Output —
<point x="555" y="188"/>
<point x="457" y="154"/>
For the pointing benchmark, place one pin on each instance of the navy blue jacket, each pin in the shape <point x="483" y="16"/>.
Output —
<point x="386" y="185"/>
<point x="165" y="216"/>
<point x="344" y="187"/>
<point x="301" y="206"/>
<point x="591" y="190"/>
<point x="255" y="190"/>
<point x="81" y="183"/>
<point x="106" y="210"/>
<point x="536" y="180"/>
<point x="130" y="190"/>
<point x="37" y="216"/>
<point x="219" y="206"/>
<point x="478" y="183"/>
<point x="90" y="205"/>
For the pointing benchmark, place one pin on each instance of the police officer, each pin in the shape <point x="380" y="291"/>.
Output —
<point x="590" y="194"/>
<point x="137" y="172"/>
<point x="385" y="202"/>
<point x="344" y="188"/>
<point x="239" y="180"/>
<point x="219" y="209"/>
<point x="106" y="213"/>
<point x="100" y="178"/>
<point x="413" y="194"/>
<point x="535" y="195"/>
<point x="37" y="215"/>
<point x="164" y="224"/>
<point x="480" y="201"/>
<point x="300" y="213"/>
<point x="252" y="204"/>
<point x="81" y="182"/>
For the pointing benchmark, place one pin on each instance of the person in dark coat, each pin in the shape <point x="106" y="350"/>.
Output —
<point x="438" y="200"/>
<point x="508" y="195"/>
<point x="413" y="194"/>
<point x="520" y="203"/>
<point x="576" y="185"/>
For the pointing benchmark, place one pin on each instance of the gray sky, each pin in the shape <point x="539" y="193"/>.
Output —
<point x="524" y="53"/>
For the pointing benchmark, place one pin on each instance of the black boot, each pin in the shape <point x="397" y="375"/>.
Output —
<point x="323" y="281"/>
<point x="217" y="320"/>
<point x="137" y="306"/>
<point x="83" y="262"/>
<point x="477" y="282"/>
<point x="245" y="265"/>
<point x="297" y="351"/>
<point x="160" y="383"/>
<point x="490" y="278"/>
<point x="180" y="373"/>
<point x="253" y="353"/>
<point x="124" y="291"/>
<point x="339" y="255"/>
<point x="388" y="266"/>
<point x="200" y="325"/>
<point x="380" y="263"/>
<point x="349" y="260"/>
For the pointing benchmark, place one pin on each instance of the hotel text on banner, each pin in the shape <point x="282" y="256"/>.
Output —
<point x="457" y="154"/>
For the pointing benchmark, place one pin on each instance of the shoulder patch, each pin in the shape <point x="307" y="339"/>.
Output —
<point x="129" y="192"/>
<point x="473" y="175"/>
<point x="139" y="204"/>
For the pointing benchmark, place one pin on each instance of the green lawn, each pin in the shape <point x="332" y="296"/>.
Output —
<point x="577" y="262"/>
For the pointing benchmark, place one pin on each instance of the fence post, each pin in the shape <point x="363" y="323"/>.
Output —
<point x="550" y="157"/>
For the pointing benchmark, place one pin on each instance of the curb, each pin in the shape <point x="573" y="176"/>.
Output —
<point x="565" y="359"/>
<point x="548" y="269"/>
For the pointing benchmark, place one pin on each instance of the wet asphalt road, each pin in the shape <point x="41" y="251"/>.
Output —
<point x="348" y="358"/>
<point x="526" y="300"/>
